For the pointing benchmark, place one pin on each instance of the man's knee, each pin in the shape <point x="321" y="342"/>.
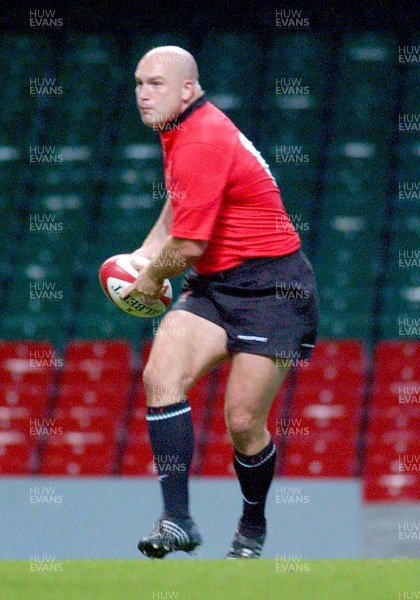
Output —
<point x="161" y="390"/>
<point x="244" y="427"/>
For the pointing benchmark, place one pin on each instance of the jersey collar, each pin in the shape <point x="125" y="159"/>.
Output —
<point x="170" y="125"/>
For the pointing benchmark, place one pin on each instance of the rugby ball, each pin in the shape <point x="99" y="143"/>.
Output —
<point x="116" y="273"/>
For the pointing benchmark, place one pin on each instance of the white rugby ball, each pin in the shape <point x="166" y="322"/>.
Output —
<point x="116" y="273"/>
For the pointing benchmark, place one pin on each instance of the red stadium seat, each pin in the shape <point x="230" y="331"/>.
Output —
<point x="391" y="487"/>
<point x="338" y="374"/>
<point x="393" y="452"/>
<point x="393" y="418"/>
<point x="17" y="418"/>
<point x="337" y="417"/>
<point x="27" y="375"/>
<point x="327" y="394"/>
<point x="25" y="350"/>
<point x="33" y="397"/>
<point x="17" y="456"/>
<point x="343" y="351"/>
<point x="321" y="430"/>
<point x="111" y="352"/>
<point x="138" y="424"/>
<point x="98" y="374"/>
<point x="138" y="459"/>
<point x="391" y="468"/>
<point x="115" y="400"/>
<point x="397" y="362"/>
<point x="77" y="453"/>
<point x="396" y="393"/>
<point x="320" y="456"/>
<point x="28" y="363"/>
<point x="394" y="351"/>
<point x="335" y="363"/>
<point x="217" y="460"/>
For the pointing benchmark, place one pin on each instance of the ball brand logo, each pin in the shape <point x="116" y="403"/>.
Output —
<point x="134" y="303"/>
<point x="117" y="273"/>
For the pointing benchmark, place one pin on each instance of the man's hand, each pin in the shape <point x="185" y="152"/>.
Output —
<point x="148" y="290"/>
<point x="176" y="255"/>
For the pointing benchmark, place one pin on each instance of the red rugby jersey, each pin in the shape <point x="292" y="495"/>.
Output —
<point x="222" y="191"/>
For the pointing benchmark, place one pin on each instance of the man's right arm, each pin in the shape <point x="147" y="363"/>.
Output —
<point x="158" y="234"/>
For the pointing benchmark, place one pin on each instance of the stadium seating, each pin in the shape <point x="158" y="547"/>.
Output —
<point x="90" y="408"/>
<point x="27" y="375"/>
<point x="323" y="422"/>
<point x="391" y="468"/>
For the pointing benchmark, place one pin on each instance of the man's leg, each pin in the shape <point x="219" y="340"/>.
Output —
<point x="185" y="347"/>
<point x="253" y="383"/>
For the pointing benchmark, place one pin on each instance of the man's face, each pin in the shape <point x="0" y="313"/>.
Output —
<point x="159" y="89"/>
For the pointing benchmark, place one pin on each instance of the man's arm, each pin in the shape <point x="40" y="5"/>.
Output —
<point x="158" y="234"/>
<point x="176" y="255"/>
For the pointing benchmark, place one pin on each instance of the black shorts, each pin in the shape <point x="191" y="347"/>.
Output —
<point x="267" y="306"/>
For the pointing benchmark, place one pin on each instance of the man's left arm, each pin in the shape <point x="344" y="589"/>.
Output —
<point x="175" y="256"/>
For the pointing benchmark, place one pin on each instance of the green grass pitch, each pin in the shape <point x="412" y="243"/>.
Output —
<point x="211" y="580"/>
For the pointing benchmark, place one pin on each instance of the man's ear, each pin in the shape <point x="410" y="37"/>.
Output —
<point x="188" y="90"/>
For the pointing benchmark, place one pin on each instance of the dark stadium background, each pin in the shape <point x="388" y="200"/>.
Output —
<point x="359" y="398"/>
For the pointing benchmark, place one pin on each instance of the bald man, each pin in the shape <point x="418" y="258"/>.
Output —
<point x="225" y="222"/>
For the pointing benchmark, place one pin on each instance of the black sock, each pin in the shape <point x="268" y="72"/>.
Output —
<point x="255" y="474"/>
<point x="172" y="439"/>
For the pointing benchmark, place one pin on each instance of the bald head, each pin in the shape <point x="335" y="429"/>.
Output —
<point x="177" y="57"/>
<point x="166" y="84"/>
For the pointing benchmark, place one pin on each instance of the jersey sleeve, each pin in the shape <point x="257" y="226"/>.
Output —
<point x="199" y="176"/>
